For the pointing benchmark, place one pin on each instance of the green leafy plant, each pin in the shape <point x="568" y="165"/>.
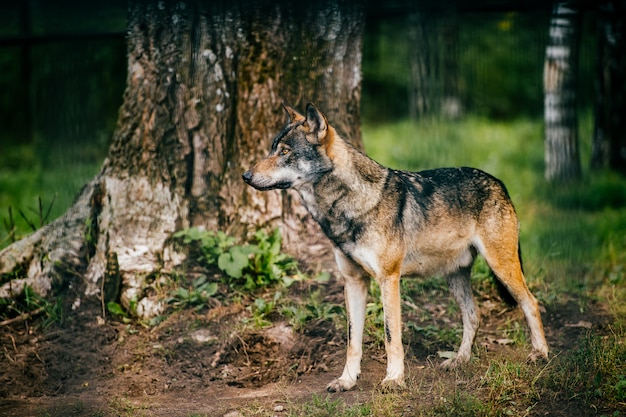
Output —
<point x="259" y="265"/>
<point x="210" y="244"/>
<point x="124" y="315"/>
<point x="235" y="261"/>
<point x="116" y="310"/>
<point x="248" y="267"/>
<point x="43" y="218"/>
<point x="261" y="309"/>
<point x="197" y="295"/>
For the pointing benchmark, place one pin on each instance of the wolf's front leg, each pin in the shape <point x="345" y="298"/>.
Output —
<point x="355" y="291"/>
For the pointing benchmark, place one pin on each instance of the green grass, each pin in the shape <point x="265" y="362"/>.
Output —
<point x="322" y="406"/>
<point x="594" y="371"/>
<point x="28" y="174"/>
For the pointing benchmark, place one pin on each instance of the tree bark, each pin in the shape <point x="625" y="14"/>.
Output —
<point x="560" y="113"/>
<point x="202" y="103"/>
<point x="609" y="143"/>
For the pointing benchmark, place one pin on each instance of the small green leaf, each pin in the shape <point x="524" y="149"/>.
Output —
<point x="275" y="241"/>
<point x="233" y="262"/>
<point x="322" y="277"/>
<point x="210" y="289"/>
<point x="182" y="293"/>
<point x="115" y="308"/>
<point x="198" y="282"/>
<point x="260" y="304"/>
<point x="287" y="281"/>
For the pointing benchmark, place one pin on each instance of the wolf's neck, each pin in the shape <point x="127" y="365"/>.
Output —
<point x="353" y="187"/>
<point x="356" y="170"/>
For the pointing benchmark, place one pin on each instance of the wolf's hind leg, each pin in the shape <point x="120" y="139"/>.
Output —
<point x="459" y="283"/>
<point x="504" y="260"/>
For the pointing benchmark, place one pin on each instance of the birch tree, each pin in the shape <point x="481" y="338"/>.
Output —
<point x="562" y="159"/>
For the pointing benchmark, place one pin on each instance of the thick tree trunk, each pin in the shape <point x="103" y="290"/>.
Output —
<point x="560" y="113"/>
<point x="609" y="142"/>
<point x="202" y="103"/>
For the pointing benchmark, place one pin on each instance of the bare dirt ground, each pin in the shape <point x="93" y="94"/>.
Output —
<point x="197" y="363"/>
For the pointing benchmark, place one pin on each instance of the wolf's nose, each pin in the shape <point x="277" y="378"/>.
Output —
<point x="247" y="177"/>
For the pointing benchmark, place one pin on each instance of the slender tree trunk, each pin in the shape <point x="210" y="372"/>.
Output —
<point x="422" y="65"/>
<point x="202" y="103"/>
<point x="451" y="107"/>
<point x="609" y="142"/>
<point x="433" y="62"/>
<point x="600" y="146"/>
<point x="559" y="79"/>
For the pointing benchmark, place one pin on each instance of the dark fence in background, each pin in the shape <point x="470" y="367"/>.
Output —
<point x="63" y="65"/>
<point x="62" y="72"/>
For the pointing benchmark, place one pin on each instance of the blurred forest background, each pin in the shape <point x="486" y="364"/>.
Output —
<point x="473" y="68"/>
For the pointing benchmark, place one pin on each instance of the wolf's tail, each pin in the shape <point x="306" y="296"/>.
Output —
<point x="503" y="292"/>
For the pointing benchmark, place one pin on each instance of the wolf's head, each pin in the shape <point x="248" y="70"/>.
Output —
<point x="299" y="153"/>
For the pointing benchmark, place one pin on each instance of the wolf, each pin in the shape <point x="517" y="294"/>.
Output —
<point x="386" y="223"/>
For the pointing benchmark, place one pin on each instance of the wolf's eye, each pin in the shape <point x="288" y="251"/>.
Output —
<point x="284" y="151"/>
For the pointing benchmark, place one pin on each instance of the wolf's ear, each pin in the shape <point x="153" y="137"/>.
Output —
<point x="316" y="122"/>
<point x="293" y="115"/>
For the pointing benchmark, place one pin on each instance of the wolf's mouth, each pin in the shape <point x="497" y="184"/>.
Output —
<point x="247" y="177"/>
<point x="277" y="186"/>
<point x="282" y="185"/>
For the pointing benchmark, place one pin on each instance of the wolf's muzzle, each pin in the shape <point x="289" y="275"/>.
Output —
<point x="247" y="176"/>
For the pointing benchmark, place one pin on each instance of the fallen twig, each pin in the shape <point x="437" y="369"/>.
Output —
<point x="23" y="316"/>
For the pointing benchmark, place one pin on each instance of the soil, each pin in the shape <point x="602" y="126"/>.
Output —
<point x="203" y="363"/>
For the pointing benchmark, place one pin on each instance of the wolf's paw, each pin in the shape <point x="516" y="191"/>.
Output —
<point x="340" y="385"/>
<point x="538" y="355"/>
<point x="453" y="363"/>
<point x="392" y="384"/>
